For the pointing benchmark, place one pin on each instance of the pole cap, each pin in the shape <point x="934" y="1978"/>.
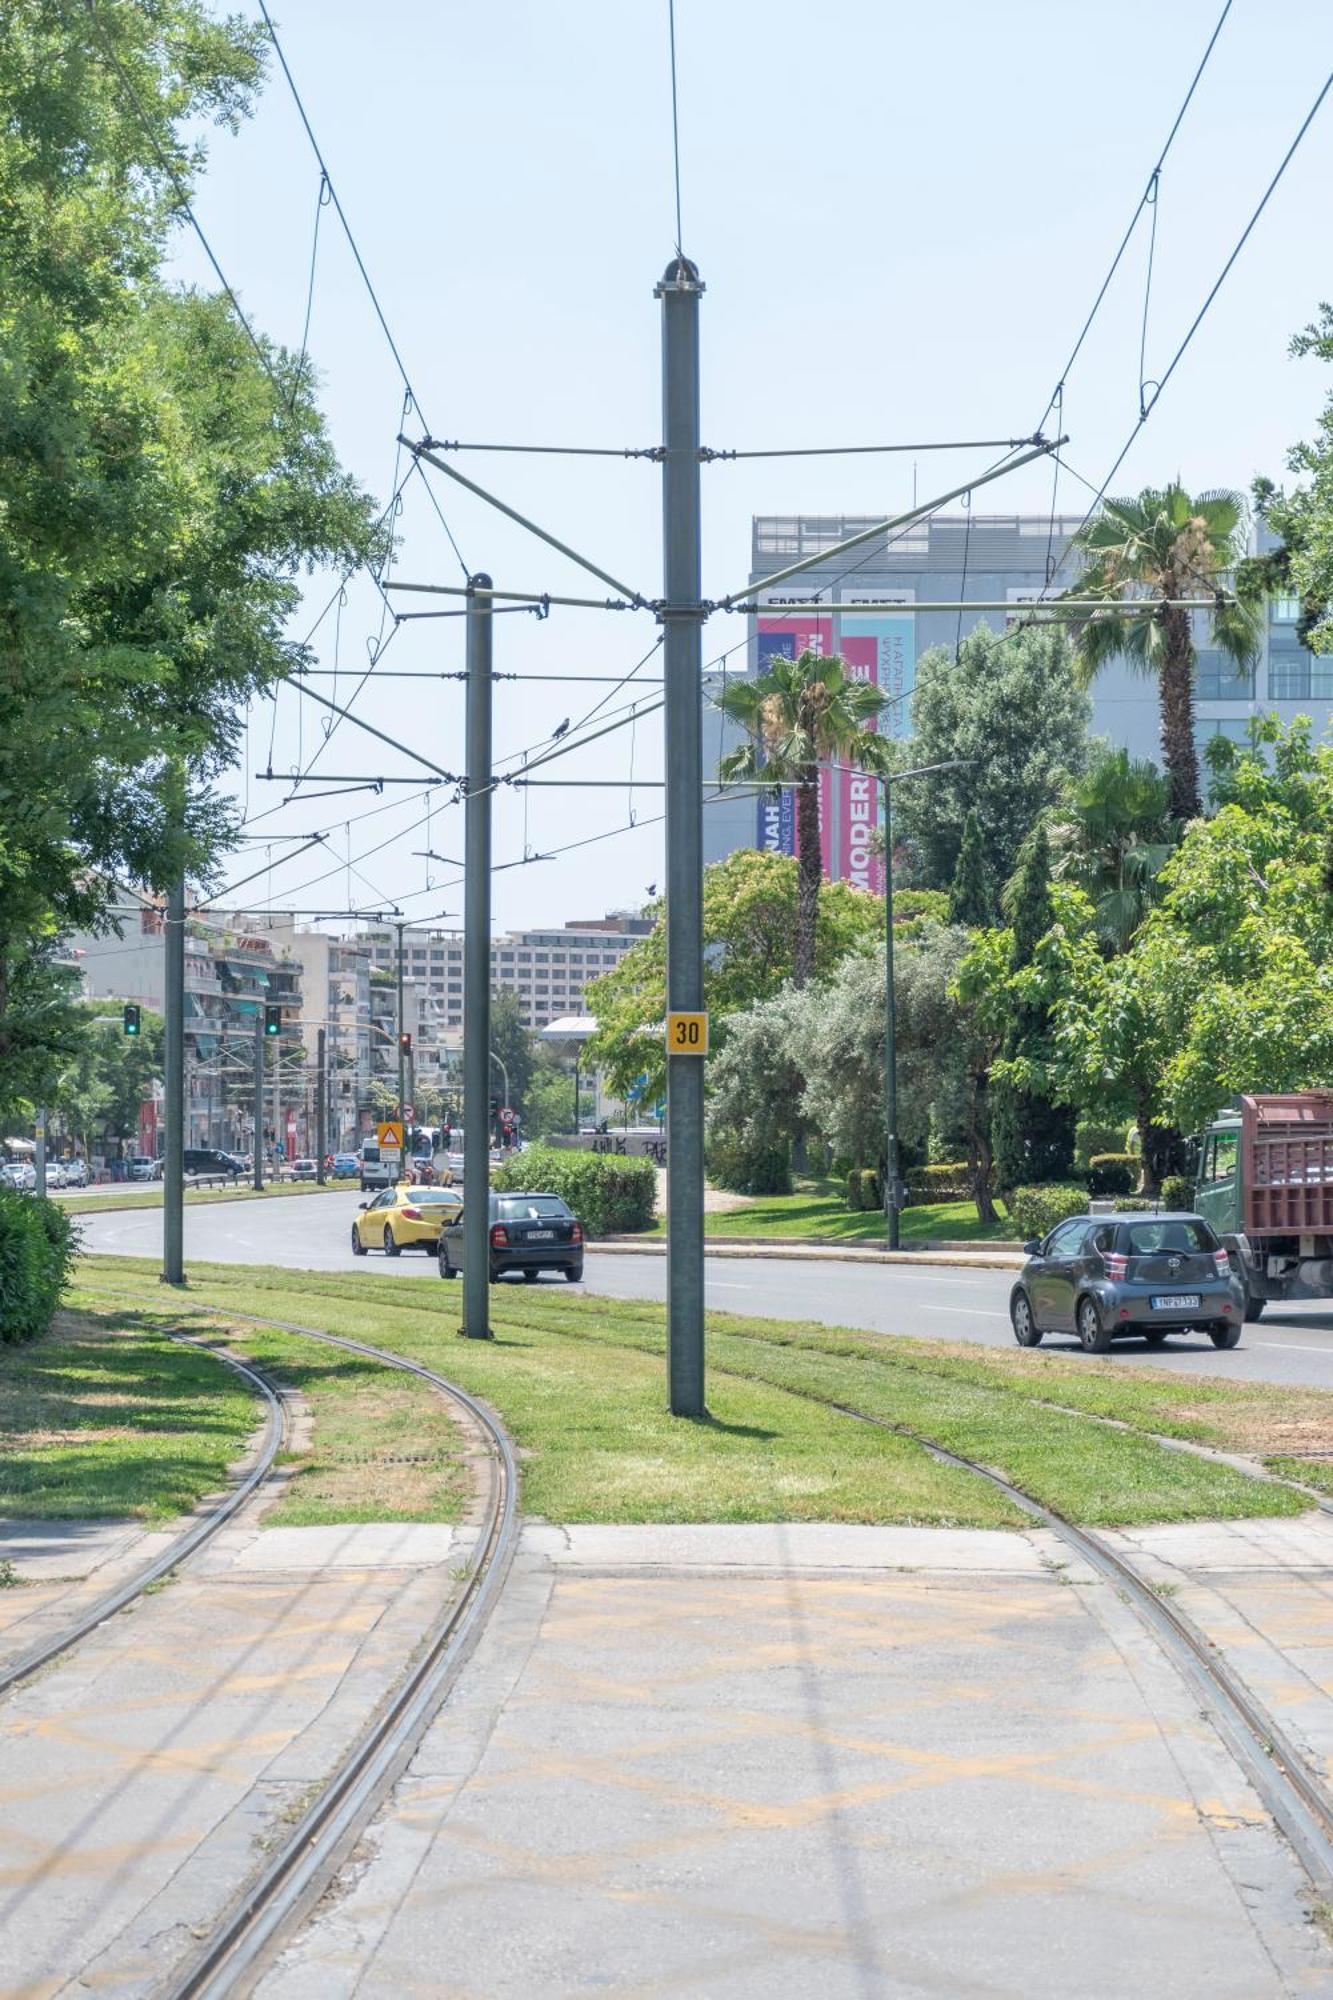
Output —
<point x="680" y="276"/>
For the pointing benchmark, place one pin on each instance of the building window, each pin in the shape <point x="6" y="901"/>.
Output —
<point x="1285" y="610"/>
<point x="1219" y="679"/>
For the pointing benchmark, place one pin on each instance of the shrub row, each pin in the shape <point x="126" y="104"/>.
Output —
<point x="747" y="1169"/>
<point x="1034" y="1211"/>
<point x="1177" y="1191"/>
<point x="37" y="1248"/>
<point x="951" y="1182"/>
<point x="1113" y="1173"/>
<point x="865" y="1190"/>
<point x="609" y="1193"/>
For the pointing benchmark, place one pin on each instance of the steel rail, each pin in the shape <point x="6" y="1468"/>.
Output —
<point x="184" y="1545"/>
<point x="300" y="1869"/>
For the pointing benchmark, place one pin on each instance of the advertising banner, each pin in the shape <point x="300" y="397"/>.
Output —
<point x="780" y="637"/>
<point x="881" y="648"/>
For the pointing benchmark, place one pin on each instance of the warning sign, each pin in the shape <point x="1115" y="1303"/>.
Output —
<point x="391" y="1137"/>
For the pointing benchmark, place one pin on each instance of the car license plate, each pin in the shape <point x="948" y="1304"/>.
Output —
<point x="1176" y="1302"/>
<point x="541" y="1236"/>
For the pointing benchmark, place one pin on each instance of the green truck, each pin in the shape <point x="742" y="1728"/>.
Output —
<point x="1263" y="1177"/>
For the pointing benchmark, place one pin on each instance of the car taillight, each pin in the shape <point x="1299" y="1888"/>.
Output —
<point x="576" y="1233"/>
<point x="1116" y="1264"/>
<point x="412" y="1214"/>
<point x="499" y="1237"/>
<point x="1221" y="1263"/>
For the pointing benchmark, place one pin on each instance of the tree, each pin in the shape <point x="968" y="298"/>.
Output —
<point x="1165" y="544"/>
<point x="513" y="1044"/>
<point x="104" y="1082"/>
<point x="1010" y="706"/>
<point x="749" y="908"/>
<point x="1303" y="518"/>
<point x="1112" y="837"/>
<point x="754" y="1111"/>
<point x="972" y="892"/>
<point x="1032" y="1132"/>
<point x="798" y="715"/>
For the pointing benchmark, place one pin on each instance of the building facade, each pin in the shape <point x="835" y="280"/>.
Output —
<point x="549" y="970"/>
<point x="992" y="562"/>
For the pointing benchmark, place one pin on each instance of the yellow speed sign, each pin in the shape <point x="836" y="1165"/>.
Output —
<point x="687" y="1034"/>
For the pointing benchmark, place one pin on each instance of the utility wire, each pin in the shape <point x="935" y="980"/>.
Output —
<point x="675" y="117"/>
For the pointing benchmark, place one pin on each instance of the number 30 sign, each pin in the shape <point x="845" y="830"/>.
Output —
<point x="687" y="1034"/>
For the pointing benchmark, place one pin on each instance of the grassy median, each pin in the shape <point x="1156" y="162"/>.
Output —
<point x="578" y="1382"/>
<point x="818" y="1213"/>
<point x="130" y="1196"/>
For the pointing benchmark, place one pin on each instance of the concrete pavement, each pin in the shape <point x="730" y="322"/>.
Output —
<point x="1294" y="1346"/>
<point x="746" y="1763"/>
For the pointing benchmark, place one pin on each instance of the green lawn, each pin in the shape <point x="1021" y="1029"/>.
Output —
<point x="818" y="1211"/>
<point x="150" y="1196"/>
<point x="579" y="1383"/>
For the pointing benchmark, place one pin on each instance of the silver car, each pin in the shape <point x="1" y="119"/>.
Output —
<point x="1128" y="1277"/>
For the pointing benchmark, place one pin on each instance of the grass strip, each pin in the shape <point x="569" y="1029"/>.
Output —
<point x="151" y="1197"/>
<point x="586" y="1405"/>
<point x="819" y="1210"/>
<point x="104" y="1420"/>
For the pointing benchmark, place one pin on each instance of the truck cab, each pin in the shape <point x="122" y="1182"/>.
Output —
<point x="1264" y="1180"/>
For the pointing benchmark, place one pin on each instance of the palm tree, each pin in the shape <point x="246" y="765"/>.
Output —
<point x="1112" y="836"/>
<point x="798" y="715"/>
<point x="1165" y="545"/>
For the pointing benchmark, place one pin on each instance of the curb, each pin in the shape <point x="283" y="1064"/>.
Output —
<point x="820" y="1254"/>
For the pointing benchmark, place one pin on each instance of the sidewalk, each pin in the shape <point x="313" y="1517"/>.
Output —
<point x="758" y="1761"/>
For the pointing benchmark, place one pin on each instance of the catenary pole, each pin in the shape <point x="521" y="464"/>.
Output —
<point x="321" y="1106"/>
<point x="401" y="1086"/>
<point x="258" y="1161"/>
<point x="39" y="1154"/>
<point x="477" y="965"/>
<point x="890" y="1036"/>
<point x="682" y="619"/>
<point x="173" y="1169"/>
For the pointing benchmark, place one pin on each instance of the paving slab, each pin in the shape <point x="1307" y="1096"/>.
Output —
<point x="783" y="1545"/>
<point x="947" y="1781"/>
<point x="369" y="1545"/>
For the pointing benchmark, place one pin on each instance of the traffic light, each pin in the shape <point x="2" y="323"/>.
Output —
<point x="405" y="1042"/>
<point x="272" y="1019"/>
<point x="131" y="1019"/>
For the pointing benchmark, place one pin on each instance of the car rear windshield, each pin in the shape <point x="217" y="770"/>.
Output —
<point x="1148" y="1239"/>
<point x="530" y="1207"/>
<point x="433" y="1194"/>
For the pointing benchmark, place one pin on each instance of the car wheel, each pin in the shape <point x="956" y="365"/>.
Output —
<point x="1254" y="1308"/>
<point x="358" y="1247"/>
<point x="1026" y="1331"/>
<point x="1157" y="1339"/>
<point x="390" y="1247"/>
<point x="1225" y="1333"/>
<point x="1094" y="1338"/>
<point x="446" y="1268"/>
<point x="492" y="1275"/>
<point x="531" y="1277"/>
<point x="573" y="1273"/>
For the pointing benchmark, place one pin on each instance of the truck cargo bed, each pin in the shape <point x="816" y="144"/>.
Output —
<point x="1287" y="1144"/>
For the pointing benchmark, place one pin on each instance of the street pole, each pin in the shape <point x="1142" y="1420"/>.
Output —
<point x="279" y="1137"/>
<point x="890" y="1035"/>
<point x="477" y="967"/>
<point x="401" y="1098"/>
<point x="682" y="622"/>
<point x="576" y="1092"/>
<point x="259" y="1099"/>
<point x="39" y="1156"/>
<point x="321" y="1108"/>
<point x="173" y="1172"/>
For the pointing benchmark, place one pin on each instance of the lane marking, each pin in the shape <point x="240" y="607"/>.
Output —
<point x="1297" y="1346"/>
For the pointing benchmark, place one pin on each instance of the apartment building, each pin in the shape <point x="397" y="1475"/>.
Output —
<point x="549" y="969"/>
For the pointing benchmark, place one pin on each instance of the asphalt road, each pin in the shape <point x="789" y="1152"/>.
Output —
<point x="1292" y="1345"/>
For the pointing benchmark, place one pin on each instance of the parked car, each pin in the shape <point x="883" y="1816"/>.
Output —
<point x="1130" y="1276"/>
<point x="55" y="1174"/>
<point x="346" y="1166"/>
<point x="21" y="1175"/>
<point x="76" y="1173"/>
<point x="211" y="1160"/>
<point x="404" y="1218"/>
<point x="142" y="1168"/>
<point x="305" y="1170"/>
<point x="528" y="1233"/>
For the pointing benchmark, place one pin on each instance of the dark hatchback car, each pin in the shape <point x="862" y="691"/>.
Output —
<point x="528" y="1233"/>
<point x="1118" y="1277"/>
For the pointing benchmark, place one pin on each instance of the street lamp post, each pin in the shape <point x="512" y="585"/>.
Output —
<point x="891" y="1202"/>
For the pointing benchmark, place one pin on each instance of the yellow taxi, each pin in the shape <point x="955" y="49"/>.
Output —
<point x="404" y="1218"/>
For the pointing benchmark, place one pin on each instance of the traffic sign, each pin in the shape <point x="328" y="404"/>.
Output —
<point x="687" y="1034"/>
<point x="391" y="1137"/>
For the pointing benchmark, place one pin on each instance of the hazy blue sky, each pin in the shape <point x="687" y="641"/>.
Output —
<point x="901" y="215"/>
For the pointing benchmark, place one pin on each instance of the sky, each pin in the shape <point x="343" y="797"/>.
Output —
<point x="902" y="216"/>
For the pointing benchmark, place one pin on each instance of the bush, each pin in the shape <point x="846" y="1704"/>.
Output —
<point x="1091" y="1139"/>
<point x="1177" y="1191"/>
<point x="747" y="1169"/>
<point x="950" y="1182"/>
<point x="854" y="1201"/>
<point x="37" y="1246"/>
<point x="608" y="1192"/>
<point x="1113" y="1173"/>
<point x="1034" y="1211"/>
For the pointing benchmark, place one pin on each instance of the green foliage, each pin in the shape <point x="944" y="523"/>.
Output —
<point x="515" y="1046"/>
<point x="1035" y="1211"/>
<point x="38" y="1243"/>
<point x="1112" y="837"/>
<point x="609" y="1194"/>
<point x="747" y="1169"/>
<point x="548" y="1104"/>
<point x="972" y="898"/>
<point x="750" y="907"/>
<point x="102" y="1086"/>
<point x="1303" y="518"/>
<point x="1032" y="1132"/>
<point x="1113" y="1173"/>
<point x="865" y="1191"/>
<point x="1178" y="1192"/>
<point x="948" y="1182"/>
<point x="1092" y="1137"/>
<point x="1008" y="703"/>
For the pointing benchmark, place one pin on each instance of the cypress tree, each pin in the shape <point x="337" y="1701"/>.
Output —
<point x="1032" y="1137"/>
<point x="972" y="894"/>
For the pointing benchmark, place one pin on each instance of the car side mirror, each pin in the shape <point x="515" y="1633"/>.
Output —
<point x="363" y="1206"/>
<point x="1032" y="1248"/>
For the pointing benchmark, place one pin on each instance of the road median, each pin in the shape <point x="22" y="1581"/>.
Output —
<point x="987" y="1257"/>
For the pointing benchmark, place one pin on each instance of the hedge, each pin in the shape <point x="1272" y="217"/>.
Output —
<point x="609" y="1193"/>
<point x="1113" y="1173"/>
<point x="1034" y="1211"/>
<point x="1177" y="1192"/>
<point x="865" y="1190"/>
<point x="951" y="1182"/>
<point x="747" y="1169"/>
<point x="37" y="1248"/>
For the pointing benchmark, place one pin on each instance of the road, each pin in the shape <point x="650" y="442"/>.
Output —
<point x="938" y="1302"/>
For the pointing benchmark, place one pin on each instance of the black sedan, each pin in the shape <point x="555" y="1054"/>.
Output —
<point x="1131" y="1276"/>
<point x="527" y="1233"/>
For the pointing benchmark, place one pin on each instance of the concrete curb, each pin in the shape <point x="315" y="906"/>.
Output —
<point x="988" y="1260"/>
